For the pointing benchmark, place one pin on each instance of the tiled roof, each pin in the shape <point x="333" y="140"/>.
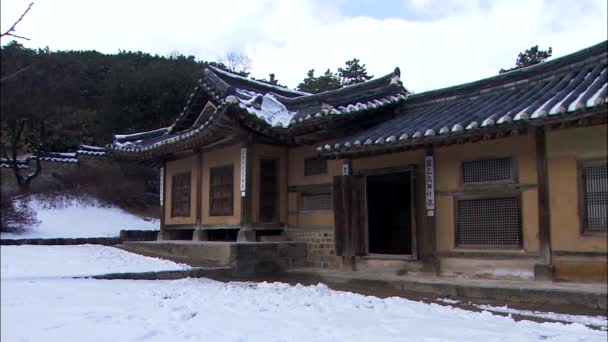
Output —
<point x="562" y="87"/>
<point x="273" y="108"/>
<point x="57" y="157"/>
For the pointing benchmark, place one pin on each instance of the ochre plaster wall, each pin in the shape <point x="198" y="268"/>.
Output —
<point x="278" y="153"/>
<point x="296" y="177"/>
<point x="189" y="164"/>
<point x="448" y="182"/>
<point x="565" y="149"/>
<point x="222" y="157"/>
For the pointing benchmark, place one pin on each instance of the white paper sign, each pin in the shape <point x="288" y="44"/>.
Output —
<point x="429" y="167"/>
<point x="345" y="169"/>
<point x="162" y="184"/>
<point x="243" y="171"/>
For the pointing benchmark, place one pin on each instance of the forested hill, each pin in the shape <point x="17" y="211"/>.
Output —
<point x="85" y="96"/>
<point x="65" y="98"/>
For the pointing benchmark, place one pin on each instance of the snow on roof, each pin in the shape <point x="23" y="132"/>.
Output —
<point x="257" y="83"/>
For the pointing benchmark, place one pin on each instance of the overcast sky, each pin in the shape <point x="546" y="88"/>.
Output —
<point x="436" y="43"/>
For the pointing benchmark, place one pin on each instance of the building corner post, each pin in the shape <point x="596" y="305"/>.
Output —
<point x="543" y="270"/>
<point x="429" y="260"/>
<point x="246" y="232"/>
<point x="162" y="190"/>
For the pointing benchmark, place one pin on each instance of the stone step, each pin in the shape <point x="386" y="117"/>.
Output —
<point x="246" y="258"/>
<point x="194" y="253"/>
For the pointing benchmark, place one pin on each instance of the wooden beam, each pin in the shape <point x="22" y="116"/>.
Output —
<point x="429" y="259"/>
<point x="163" y="195"/>
<point x="544" y="269"/>
<point x="246" y="233"/>
<point x="199" y="191"/>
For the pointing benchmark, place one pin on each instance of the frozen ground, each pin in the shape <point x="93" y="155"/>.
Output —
<point x="77" y="260"/>
<point x="63" y="309"/>
<point x="75" y="219"/>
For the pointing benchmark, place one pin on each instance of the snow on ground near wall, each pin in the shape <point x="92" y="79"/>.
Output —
<point x="206" y="310"/>
<point x="34" y="308"/>
<point x="80" y="260"/>
<point x="598" y="321"/>
<point x="75" y="220"/>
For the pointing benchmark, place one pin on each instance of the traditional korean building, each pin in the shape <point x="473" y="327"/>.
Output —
<point x="505" y="176"/>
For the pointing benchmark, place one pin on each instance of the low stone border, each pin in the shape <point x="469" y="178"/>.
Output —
<point x="107" y="241"/>
<point x="537" y="294"/>
<point x="125" y="235"/>
<point x="199" y="272"/>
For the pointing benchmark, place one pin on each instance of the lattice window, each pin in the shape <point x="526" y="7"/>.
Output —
<point x="181" y="188"/>
<point x="487" y="170"/>
<point x="321" y="201"/>
<point x="595" y="198"/>
<point x="315" y="166"/>
<point x="221" y="191"/>
<point x="489" y="222"/>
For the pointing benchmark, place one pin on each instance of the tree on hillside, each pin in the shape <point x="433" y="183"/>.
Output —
<point x="271" y="80"/>
<point x="353" y="73"/>
<point x="237" y="63"/>
<point x="312" y="84"/>
<point x="531" y="56"/>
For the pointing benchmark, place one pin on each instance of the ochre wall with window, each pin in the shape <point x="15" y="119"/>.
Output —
<point x="222" y="157"/>
<point x="189" y="164"/>
<point x="565" y="149"/>
<point x="448" y="186"/>
<point x="295" y="170"/>
<point x="279" y="154"/>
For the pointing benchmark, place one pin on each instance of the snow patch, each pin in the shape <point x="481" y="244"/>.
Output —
<point x="75" y="219"/>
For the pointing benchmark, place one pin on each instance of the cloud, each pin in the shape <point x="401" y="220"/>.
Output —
<point x="442" y="43"/>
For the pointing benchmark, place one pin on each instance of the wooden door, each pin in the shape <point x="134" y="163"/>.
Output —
<point x="349" y="215"/>
<point x="269" y="191"/>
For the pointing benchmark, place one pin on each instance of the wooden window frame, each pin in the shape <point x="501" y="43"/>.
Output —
<point x="312" y="193"/>
<point x="174" y="197"/>
<point x="582" y="196"/>
<point x="213" y="211"/>
<point x="512" y="180"/>
<point x="325" y="172"/>
<point x="516" y="195"/>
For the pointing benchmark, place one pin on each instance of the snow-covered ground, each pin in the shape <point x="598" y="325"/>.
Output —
<point x="78" y="260"/>
<point x="63" y="309"/>
<point x="76" y="219"/>
<point x="600" y="322"/>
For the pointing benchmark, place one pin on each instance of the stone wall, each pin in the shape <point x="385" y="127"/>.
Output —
<point x="320" y="246"/>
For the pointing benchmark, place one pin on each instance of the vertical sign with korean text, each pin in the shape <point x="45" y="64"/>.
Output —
<point x="429" y="170"/>
<point x="243" y="171"/>
<point x="162" y="185"/>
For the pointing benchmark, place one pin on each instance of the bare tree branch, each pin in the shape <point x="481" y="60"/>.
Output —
<point x="10" y="31"/>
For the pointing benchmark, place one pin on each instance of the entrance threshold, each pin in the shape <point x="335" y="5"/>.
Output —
<point x="390" y="256"/>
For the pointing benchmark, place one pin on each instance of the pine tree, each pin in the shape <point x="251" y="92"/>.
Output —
<point x="531" y="56"/>
<point x="312" y="84"/>
<point x="353" y="73"/>
<point x="271" y="80"/>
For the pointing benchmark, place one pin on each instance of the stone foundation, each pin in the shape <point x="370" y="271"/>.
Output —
<point x="320" y="246"/>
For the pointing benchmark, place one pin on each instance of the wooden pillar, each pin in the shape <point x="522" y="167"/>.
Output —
<point x="544" y="269"/>
<point x="199" y="233"/>
<point x="246" y="232"/>
<point x="430" y="261"/>
<point x="163" y="198"/>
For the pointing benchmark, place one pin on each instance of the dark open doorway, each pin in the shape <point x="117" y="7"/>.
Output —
<point x="269" y="190"/>
<point x="390" y="224"/>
